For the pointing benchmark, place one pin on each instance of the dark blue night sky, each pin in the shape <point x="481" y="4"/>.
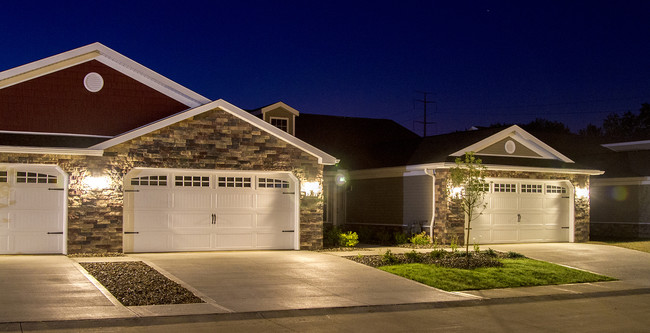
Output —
<point x="483" y="62"/>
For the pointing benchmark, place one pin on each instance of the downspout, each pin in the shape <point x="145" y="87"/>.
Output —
<point x="433" y="199"/>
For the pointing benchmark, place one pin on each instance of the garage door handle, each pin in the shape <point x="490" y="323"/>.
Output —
<point x="131" y="232"/>
<point x="55" y="232"/>
<point x="288" y="231"/>
<point x="214" y="218"/>
<point x="518" y="217"/>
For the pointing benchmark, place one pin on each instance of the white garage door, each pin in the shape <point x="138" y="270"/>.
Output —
<point x="32" y="209"/>
<point x="523" y="211"/>
<point x="191" y="210"/>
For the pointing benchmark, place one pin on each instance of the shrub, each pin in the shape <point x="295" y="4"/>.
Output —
<point x="453" y="244"/>
<point x="514" y="255"/>
<point x="401" y="238"/>
<point x="348" y="239"/>
<point x="389" y="258"/>
<point x="438" y="253"/>
<point x="477" y="248"/>
<point x="491" y="253"/>
<point x="413" y="256"/>
<point x="420" y="239"/>
<point x="331" y="236"/>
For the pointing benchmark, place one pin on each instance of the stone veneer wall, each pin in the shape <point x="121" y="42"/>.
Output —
<point x="213" y="140"/>
<point x="450" y="220"/>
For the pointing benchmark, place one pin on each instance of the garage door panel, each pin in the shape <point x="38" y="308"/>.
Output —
<point x="40" y="199"/>
<point x="200" y="199"/>
<point x="504" y="235"/>
<point x="274" y="220"/>
<point x="235" y="220"/>
<point x="499" y="219"/>
<point x="151" y="241"/>
<point x="232" y="239"/>
<point x="531" y="203"/>
<point x="225" y="201"/>
<point x="36" y="243"/>
<point x="151" y="220"/>
<point x="191" y="241"/>
<point x="503" y="202"/>
<point x="276" y="200"/>
<point x="482" y="220"/>
<point x="35" y="221"/>
<point x="148" y="200"/>
<point x="274" y="240"/>
<point x="532" y="219"/>
<point x="560" y="204"/>
<point x="189" y="220"/>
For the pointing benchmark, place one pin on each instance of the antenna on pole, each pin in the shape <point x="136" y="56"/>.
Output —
<point x="425" y="102"/>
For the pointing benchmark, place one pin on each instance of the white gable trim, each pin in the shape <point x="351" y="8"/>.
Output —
<point x="115" y="60"/>
<point x="523" y="137"/>
<point x="628" y="146"/>
<point x="52" y="151"/>
<point x="279" y="105"/>
<point x="323" y="158"/>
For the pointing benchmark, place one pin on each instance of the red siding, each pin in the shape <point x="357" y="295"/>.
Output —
<point x="59" y="103"/>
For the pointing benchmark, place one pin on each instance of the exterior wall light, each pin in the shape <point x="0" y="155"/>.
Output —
<point x="340" y="179"/>
<point x="97" y="183"/>
<point x="456" y="192"/>
<point x="582" y="192"/>
<point x="312" y="189"/>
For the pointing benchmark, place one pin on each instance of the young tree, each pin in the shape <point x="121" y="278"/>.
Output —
<point x="469" y="174"/>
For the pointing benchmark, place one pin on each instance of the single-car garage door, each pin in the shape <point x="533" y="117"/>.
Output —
<point x="194" y="210"/>
<point x="523" y="211"/>
<point x="32" y="209"/>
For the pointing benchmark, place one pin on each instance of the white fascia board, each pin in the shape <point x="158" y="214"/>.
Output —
<point x="323" y="158"/>
<point x="280" y="105"/>
<point x="496" y="167"/>
<point x="52" y="151"/>
<point x="56" y="134"/>
<point x="118" y="62"/>
<point x="628" y="146"/>
<point x="518" y="133"/>
<point x="620" y="181"/>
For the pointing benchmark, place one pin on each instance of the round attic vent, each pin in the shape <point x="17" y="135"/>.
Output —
<point x="510" y="147"/>
<point x="93" y="82"/>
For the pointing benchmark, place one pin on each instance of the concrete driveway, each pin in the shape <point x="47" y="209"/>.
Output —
<point x="284" y="280"/>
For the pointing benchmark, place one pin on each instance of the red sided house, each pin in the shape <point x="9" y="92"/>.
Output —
<point x="100" y="154"/>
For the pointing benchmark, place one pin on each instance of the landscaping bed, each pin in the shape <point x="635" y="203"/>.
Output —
<point x="136" y="283"/>
<point x="489" y="269"/>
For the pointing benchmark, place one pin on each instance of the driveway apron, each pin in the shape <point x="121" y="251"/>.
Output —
<point x="284" y="280"/>
<point x="37" y="288"/>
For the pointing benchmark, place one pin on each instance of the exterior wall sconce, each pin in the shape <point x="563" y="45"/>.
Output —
<point x="582" y="192"/>
<point x="456" y="192"/>
<point x="340" y="179"/>
<point x="97" y="183"/>
<point x="311" y="189"/>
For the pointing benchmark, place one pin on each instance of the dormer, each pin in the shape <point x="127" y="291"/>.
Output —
<point x="279" y="115"/>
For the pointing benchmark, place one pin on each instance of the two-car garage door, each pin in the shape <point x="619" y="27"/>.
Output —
<point x="196" y="210"/>
<point x="524" y="211"/>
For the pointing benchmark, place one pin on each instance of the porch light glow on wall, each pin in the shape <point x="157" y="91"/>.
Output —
<point x="97" y="183"/>
<point x="582" y="192"/>
<point x="310" y="189"/>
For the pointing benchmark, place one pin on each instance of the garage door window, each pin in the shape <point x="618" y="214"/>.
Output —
<point x="34" y="178"/>
<point x="272" y="183"/>
<point x="192" y="181"/>
<point x="553" y="189"/>
<point x="505" y="188"/>
<point x="241" y="182"/>
<point x="149" y="181"/>
<point x="3" y="176"/>
<point x="531" y="188"/>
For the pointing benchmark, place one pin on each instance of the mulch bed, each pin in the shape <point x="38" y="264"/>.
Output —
<point x="136" y="283"/>
<point x="440" y="258"/>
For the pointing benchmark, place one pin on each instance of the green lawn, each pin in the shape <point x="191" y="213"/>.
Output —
<point x="634" y="245"/>
<point x="515" y="273"/>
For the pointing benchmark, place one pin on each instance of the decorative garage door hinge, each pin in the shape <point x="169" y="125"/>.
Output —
<point x="288" y="192"/>
<point x="288" y="231"/>
<point x="55" y="232"/>
<point x="55" y="189"/>
<point x="565" y="227"/>
<point x="131" y="232"/>
<point x="131" y="190"/>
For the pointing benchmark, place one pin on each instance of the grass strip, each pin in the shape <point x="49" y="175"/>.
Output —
<point x="643" y="246"/>
<point x="522" y="272"/>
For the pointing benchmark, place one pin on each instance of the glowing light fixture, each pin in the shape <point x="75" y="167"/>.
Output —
<point x="582" y="192"/>
<point x="97" y="183"/>
<point x="311" y="188"/>
<point x="340" y="179"/>
<point x="457" y="192"/>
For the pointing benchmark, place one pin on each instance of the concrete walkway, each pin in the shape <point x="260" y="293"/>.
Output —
<point x="55" y="288"/>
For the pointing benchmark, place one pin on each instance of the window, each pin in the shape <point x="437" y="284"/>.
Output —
<point x="34" y="178"/>
<point x="281" y="123"/>
<point x="150" y="181"/>
<point x="3" y="176"/>
<point x="505" y="188"/>
<point x="192" y="181"/>
<point x="531" y="188"/>
<point x="272" y="183"/>
<point x="551" y="189"/>
<point x="240" y="182"/>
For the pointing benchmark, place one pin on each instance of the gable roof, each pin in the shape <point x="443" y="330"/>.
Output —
<point x="108" y="57"/>
<point x="95" y="146"/>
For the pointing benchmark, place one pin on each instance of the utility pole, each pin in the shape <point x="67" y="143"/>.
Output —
<point x="424" y="102"/>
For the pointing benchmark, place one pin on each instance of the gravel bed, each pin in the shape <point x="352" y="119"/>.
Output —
<point x="136" y="283"/>
<point x="343" y="249"/>
<point x="96" y="255"/>
<point x="440" y="258"/>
